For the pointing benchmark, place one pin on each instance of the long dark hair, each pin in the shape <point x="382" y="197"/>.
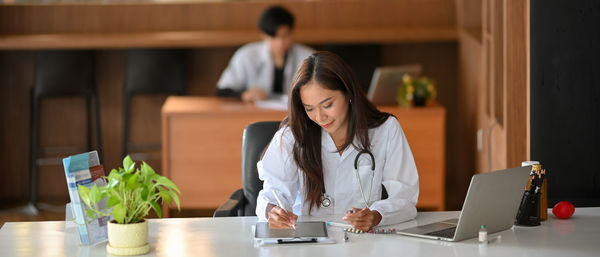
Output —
<point x="330" y="71"/>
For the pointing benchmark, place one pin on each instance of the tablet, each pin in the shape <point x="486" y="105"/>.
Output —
<point x="306" y="231"/>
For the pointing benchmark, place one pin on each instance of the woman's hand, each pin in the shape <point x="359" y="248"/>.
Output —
<point x="363" y="219"/>
<point x="279" y="218"/>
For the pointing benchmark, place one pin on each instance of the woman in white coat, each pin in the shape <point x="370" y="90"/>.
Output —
<point x="260" y="69"/>
<point x="336" y="152"/>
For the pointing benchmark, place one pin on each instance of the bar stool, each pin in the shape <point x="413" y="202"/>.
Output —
<point x="148" y="72"/>
<point x="57" y="74"/>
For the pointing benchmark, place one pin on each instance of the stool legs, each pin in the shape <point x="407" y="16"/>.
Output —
<point x="98" y="127"/>
<point x="126" y="114"/>
<point x="33" y="176"/>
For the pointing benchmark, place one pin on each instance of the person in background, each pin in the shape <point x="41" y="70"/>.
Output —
<point x="336" y="154"/>
<point x="264" y="69"/>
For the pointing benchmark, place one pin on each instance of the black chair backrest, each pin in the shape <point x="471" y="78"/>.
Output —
<point x="64" y="73"/>
<point x="151" y="71"/>
<point x="256" y="137"/>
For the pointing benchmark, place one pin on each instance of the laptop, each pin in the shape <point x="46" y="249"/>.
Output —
<point x="492" y="200"/>
<point x="385" y="82"/>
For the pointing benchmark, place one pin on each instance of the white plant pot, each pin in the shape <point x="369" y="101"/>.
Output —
<point x="128" y="239"/>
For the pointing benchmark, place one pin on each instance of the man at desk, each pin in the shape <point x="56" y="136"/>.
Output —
<point x="262" y="69"/>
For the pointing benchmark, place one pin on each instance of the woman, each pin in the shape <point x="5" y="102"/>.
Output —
<point x="261" y="69"/>
<point x="310" y="162"/>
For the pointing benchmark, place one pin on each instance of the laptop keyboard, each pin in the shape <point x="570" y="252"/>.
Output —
<point x="447" y="233"/>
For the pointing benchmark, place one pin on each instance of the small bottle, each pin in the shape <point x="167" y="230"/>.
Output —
<point x="483" y="234"/>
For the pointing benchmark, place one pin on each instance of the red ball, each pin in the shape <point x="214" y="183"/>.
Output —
<point x="563" y="210"/>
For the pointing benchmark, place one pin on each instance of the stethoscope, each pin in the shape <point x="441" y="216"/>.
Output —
<point x="326" y="199"/>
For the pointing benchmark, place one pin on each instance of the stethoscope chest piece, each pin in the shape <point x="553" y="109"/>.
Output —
<point x="326" y="200"/>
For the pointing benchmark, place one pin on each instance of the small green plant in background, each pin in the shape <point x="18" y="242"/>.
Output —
<point x="415" y="91"/>
<point x="131" y="193"/>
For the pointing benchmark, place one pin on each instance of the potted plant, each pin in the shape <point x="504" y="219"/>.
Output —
<point x="130" y="193"/>
<point x="416" y="91"/>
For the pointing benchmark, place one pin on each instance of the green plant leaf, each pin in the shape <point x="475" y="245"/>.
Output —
<point x="168" y="183"/>
<point x="131" y="168"/>
<point x="119" y="212"/>
<point x="175" y="197"/>
<point x="112" y="183"/>
<point x="145" y="193"/>
<point x="112" y="201"/>
<point x="164" y="195"/>
<point x="156" y="208"/>
<point x="132" y="181"/>
<point x="90" y="213"/>
<point x="127" y="164"/>
<point x="148" y="168"/>
<point x="126" y="177"/>
<point x="143" y="171"/>
<point x="95" y="195"/>
<point x="84" y="193"/>
<point x="114" y="178"/>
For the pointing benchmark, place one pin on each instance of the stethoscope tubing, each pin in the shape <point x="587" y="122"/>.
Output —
<point x="326" y="199"/>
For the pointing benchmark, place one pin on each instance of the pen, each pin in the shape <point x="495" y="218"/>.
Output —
<point x="338" y="224"/>
<point x="281" y="205"/>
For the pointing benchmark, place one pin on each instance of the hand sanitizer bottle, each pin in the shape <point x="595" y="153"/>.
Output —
<point x="483" y="235"/>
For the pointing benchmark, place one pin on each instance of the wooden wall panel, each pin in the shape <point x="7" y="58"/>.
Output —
<point x="516" y="81"/>
<point x="468" y="99"/>
<point x="217" y="15"/>
<point x="501" y="93"/>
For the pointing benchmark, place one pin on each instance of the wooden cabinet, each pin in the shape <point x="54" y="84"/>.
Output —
<point x="202" y="138"/>
<point x="202" y="146"/>
<point x="424" y="129"/>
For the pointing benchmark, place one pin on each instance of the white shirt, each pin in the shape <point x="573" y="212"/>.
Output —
<point x="394" y="168"/>
<point x="252" y="66"/>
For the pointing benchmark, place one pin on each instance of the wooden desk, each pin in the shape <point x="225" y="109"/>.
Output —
<point x="232" y="236"/>
<point x="202" y="141"/>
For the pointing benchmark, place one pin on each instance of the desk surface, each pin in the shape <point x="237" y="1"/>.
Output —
<point x="577" y="236"/>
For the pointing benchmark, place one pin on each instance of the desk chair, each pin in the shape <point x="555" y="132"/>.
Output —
<point x="61" y="73"/>
<point x="150" y="72"/>
<point x="243" y="201"/>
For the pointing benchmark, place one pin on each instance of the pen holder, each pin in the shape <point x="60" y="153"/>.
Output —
<point x="529" y="210"/>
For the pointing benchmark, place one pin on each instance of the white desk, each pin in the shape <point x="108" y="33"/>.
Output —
<point x="578" y="236"/>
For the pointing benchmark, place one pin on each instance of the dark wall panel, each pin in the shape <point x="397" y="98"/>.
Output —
<point x="565" y="92"/>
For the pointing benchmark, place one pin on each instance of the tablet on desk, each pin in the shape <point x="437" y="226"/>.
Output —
<point x="305" y="232"/>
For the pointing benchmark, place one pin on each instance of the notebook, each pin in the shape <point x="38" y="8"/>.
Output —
<point x="385" y="82"/>
<point x="492" y="200"/>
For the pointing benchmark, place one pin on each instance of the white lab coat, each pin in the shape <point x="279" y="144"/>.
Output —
<point x="252" y="66"/>
<point x="394" y="168"/>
